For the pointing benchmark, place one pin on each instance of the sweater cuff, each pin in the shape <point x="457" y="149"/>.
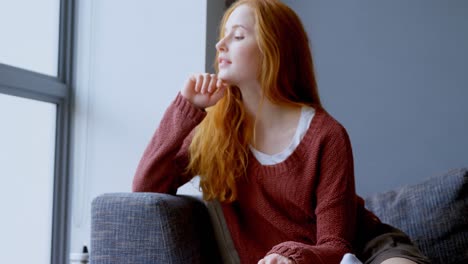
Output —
<point x="188" y="110"/>
<point x="295" y="253"/>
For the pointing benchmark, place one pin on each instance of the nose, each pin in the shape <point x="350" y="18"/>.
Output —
<point x="221" y="45"/>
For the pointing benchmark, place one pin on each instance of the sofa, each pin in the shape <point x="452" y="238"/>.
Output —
<point x="161" y="228"/>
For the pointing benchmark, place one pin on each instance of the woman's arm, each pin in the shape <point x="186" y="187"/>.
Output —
<point x="162" y="167"/>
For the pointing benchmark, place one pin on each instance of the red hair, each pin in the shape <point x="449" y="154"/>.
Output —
<point x="219" y="151"/>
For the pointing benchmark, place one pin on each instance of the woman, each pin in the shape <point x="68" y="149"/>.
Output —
<point x="263" y="145"/>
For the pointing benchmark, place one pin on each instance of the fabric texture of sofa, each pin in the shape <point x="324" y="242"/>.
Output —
<point x="160" y="228"/>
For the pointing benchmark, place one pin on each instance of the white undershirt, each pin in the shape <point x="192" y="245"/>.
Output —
<point x="307" y="114"/>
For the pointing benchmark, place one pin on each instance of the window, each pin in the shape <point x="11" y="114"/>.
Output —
<point x="30" y="35"/>
<point x="35" y="89"/>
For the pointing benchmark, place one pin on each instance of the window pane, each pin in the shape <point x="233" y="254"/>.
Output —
<point x="29" y="33"/>
<point x="27" y="147"/>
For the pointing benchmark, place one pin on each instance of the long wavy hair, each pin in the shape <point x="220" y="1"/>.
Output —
<point x="219" y="151"/>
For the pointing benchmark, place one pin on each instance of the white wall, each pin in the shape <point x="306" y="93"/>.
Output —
<point x="131" y="59"/>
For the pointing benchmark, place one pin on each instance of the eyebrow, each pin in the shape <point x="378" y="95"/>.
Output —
<point x="237" y="26"/>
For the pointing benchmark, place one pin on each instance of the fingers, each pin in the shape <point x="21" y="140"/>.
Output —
<point x="206" y="80"/>
<point x="219" y="83"/>
<point x="212" y="84"/>
<point x="199" y="83"/>
<point x="206" y="83"/>
<point x="193" y="79"/>
<point x="275" y="259"/>
<point x="209" y="83"/>
<point x="204" y="90"/>
<point x="189" y="86"/>
<point x="219" y="92"/>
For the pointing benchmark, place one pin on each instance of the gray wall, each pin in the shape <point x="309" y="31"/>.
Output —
<point x="214" y="14"/>
<point x="395" y="74"/>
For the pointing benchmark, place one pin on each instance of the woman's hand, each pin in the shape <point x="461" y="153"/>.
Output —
<point x="203" y="90"/>
<point x="275" y="259"/>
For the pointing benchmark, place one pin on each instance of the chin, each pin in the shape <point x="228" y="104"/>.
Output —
<point x="225" y="77"/>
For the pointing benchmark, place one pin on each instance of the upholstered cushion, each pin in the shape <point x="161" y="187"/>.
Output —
<point x="433" y="213"/>
<point x="151" y="228"/>
<point x="223" y="237"/>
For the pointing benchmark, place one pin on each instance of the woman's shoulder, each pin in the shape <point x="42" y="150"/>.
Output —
<point x="328" y="125"/>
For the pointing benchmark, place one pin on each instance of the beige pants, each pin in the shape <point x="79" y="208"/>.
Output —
<point x="389" y="242"/>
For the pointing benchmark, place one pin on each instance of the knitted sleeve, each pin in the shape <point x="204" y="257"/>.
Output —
<point x="336" y="205"/>
<point x="161" y="169"/>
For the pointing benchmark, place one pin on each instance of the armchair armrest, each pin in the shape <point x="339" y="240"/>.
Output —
<point x="151" y="228"/>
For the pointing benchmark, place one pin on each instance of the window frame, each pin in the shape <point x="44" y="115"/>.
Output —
<point x="58" y="90"/>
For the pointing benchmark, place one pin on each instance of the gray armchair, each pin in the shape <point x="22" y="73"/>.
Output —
<point x="161" y="228"/>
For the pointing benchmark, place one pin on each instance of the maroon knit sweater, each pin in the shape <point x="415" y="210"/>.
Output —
<point x="304" y="208"/>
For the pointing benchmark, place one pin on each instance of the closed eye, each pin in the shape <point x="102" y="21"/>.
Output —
<point x="238" y="37"/>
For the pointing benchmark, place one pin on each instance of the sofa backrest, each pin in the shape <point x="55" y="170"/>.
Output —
<point x="434" y="213"/>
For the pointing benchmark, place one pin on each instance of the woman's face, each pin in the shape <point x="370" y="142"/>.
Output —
<point x="238" y="52"/>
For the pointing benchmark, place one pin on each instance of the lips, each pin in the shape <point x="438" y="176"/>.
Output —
<point x="224" y="61"/>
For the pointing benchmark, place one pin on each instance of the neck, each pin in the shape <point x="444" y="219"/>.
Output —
<point x="268" y="117"/>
